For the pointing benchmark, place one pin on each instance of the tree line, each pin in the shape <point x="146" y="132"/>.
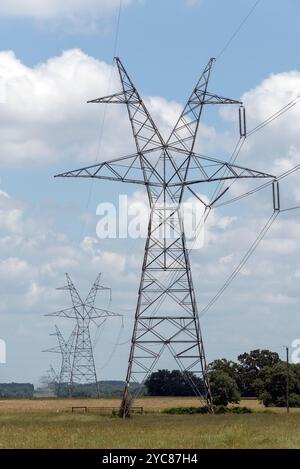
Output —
<point x="259" y="374"/>
<point x="16" y="390"/>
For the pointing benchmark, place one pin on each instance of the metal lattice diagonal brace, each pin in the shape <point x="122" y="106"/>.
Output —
<point x="78" y="363"/>
<point x="66" y="349"/>
<point x="166" y="316"/>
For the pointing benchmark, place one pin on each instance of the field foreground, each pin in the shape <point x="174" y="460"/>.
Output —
<point x="50" y="424"/>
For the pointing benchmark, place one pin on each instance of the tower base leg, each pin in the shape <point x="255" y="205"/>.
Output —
<point x="126" y="405"/>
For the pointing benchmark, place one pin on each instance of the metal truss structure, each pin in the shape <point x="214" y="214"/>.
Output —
<point x="52" y="376"/>
<point x="66" y="350"/>
<point x="83" y="370"/>
<point x="52" y="379"/>
<point x="166" y="315"/>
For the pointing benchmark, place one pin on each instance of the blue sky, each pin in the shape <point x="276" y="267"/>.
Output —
<point x="169" y="33"/>
<point x="48" y="225"/>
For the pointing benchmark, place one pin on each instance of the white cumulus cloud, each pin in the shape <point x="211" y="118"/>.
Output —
<point x="57" y="8"/>
<point x="45" y="117"/>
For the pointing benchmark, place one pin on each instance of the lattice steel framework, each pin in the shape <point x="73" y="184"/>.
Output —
<point x="52" y="376"/>
<point x="52" y="379"/>
<point x="83" y="370"/>
<point x="167" y="168"/>
<point x="66" y="349"/>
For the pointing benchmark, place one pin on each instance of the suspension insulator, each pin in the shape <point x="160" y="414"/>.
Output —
<point x="276" y="196"/>
<point x="242" y="121"/>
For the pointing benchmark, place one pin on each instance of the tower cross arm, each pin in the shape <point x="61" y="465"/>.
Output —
<point x="53" y="350"/>
<point x="204" y="169"/>
<point x="96" y="287"/>
<point x="134" y="169"/>
<point x="116" y="98"/>
<point x="211" y="98"/>
<point x="98" y="313"/>
<point x="64" y="313"/>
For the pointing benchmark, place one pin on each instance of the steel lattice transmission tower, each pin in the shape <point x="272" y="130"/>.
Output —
<point x="167" y="168"/>
<point x="83" y="370"/>
<point x="52" y="376"/>
<point x="66" y="349"/>
<point x="52" y="379"/>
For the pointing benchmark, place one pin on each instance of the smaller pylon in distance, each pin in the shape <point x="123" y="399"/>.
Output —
<point x="83" y="369"/>
<point x="66" y="349"/>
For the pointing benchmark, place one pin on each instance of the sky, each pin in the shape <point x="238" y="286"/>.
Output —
<point x="57" y="55"/>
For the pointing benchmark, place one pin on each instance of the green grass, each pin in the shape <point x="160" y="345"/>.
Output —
<point x="66" y="430"/>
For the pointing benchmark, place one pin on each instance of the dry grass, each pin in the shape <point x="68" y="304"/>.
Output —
<point x="65" y="430"/>
<point x="49" y="423"/>
<point x="150" y="404"/>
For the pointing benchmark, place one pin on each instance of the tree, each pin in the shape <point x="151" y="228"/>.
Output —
<point x="223" y="388"/>
<point x="226" y="366"/>
<point x="271" y="385"/>
<point x="258" y="359"/>
<point x="250" y="366"/>
<point x="171" y="383"/>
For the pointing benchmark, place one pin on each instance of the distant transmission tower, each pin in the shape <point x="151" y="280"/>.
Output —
<point x="83" y="370"/>
<point x="52" y="379"/>
<point x="168" y="168"/>
<point x="52" y="375"/>
<point x="66" y="350"/>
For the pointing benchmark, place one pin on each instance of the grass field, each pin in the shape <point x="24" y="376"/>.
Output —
<point x="50" y="424"/>
<point x="149" y="404"/>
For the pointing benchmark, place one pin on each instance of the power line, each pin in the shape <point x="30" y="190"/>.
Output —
<point x="116" y="43"/>
<point x="116" y="345"/>
<point x="246" y="194"/>
<point x="289" y="172"/>
<point x="238" y="29"/>
<point x="274" y="116"/>
<point x="237" y="150"/>
<point x="290" y="209"/>
<point x="248" y="254"/>
<point x="261" y="187"/>
<point x="255" y="244"/>
<point x="102" y="124"/>
<point x="242" y="141"/>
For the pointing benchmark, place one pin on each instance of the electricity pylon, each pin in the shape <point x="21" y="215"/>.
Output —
<point x="52" y="379"/>
<point x="83" y="370"/>
<point x="167" y="168"/>
<point x="52" y="375"/>
<point x="66" y="350"/>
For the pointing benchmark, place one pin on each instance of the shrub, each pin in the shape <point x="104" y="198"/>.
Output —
<point x="218" y="410"/>
<point x="241" y="410"/>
